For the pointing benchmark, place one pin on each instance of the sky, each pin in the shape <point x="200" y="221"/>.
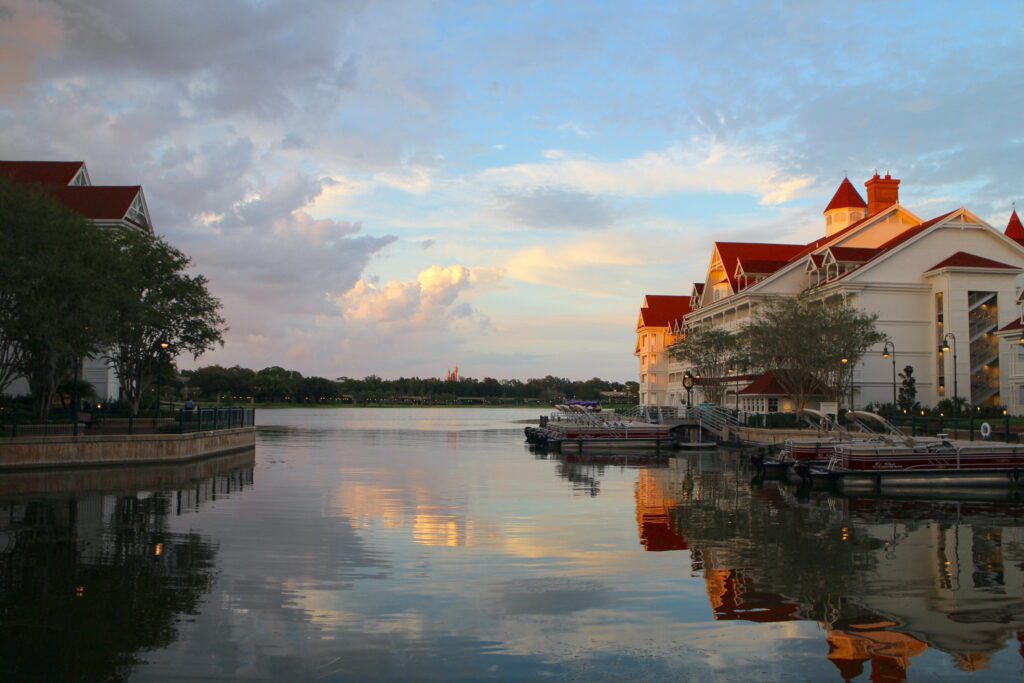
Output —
<point x="398" y="187"/>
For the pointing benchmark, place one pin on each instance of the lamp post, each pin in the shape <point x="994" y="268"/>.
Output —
<point x="846" y="361"/>
<point x="159" y="366"/>
<point x="75" y="399"/>
<point x="889" y="351"/>
<point x="735" y="389"/>
<point x="956" y="385"/>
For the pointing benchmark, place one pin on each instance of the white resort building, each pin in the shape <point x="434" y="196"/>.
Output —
<point x="109" y="206"/>
<point x="952" y="274"/>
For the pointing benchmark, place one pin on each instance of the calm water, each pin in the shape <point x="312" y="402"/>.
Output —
<point x="432" y="544"/>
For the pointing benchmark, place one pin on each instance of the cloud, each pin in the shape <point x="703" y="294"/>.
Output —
<point x="28" y="30"/>
<point x="425" y="300"/>
<point x="555" y="208"/>
<point x="698" y="165"/>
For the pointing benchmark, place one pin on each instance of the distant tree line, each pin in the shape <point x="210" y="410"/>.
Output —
<point x="278" y="385"/>
<point x="71" y="290"/>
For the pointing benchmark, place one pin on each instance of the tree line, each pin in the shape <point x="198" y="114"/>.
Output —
<point x="278" y="385"/>
<point x="71" y="290"/>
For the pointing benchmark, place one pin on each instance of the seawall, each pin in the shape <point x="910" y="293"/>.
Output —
<point x="35" y="452"/>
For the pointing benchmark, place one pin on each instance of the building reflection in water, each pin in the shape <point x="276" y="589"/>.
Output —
<point x="886" y="579"/>
<point x="88" y="580"/>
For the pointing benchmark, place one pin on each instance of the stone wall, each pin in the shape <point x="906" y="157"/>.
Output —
<point x="138" y="449"/>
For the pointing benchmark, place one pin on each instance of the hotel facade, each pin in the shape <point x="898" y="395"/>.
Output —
<point x="115" y="207"/>
<point x="951" y="279"/>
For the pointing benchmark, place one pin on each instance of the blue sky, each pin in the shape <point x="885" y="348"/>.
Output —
<point x="397" y="187"/>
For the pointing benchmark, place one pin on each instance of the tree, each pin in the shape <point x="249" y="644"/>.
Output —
<point x="712" y="352"/>
<point x="159" y="304"/>
<point x="56" y="291"/>
<point x="908" y="390"/>
<point x="802" y="341"/>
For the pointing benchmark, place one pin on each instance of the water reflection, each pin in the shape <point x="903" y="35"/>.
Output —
<point x="886" y="579"/>
<point x="89" y="580"/>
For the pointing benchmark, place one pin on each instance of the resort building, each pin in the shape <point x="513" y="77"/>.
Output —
<point x="109" y="206"/>
<point x="659" y="316"/>
<point x="949" y="280"/>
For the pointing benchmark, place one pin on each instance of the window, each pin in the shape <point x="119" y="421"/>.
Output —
<point x="773" y="405"/>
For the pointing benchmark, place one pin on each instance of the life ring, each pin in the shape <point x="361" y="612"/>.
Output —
<point x="986" y="430"/>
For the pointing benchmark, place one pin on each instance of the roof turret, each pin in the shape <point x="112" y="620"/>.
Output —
<point x="846" y="197"/>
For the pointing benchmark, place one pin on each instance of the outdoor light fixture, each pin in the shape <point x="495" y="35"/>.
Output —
<point x="889" y="351"/>
<point x="845" y="361"/>
<point x="956" y="380"/>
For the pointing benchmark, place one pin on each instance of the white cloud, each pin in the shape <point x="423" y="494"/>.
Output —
<point x="425" y="300"/>
<point x="698" y="165"/>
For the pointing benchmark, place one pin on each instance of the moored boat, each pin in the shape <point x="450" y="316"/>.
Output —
<point x="576" y="427"/>
<point x="910" y="464"/>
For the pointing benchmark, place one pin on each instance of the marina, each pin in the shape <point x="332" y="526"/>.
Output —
<point x="376" y="543"/>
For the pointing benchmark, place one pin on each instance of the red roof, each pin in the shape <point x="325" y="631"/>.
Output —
<point x="846" y="197"/>
<point x="760" y="267"/>
<point x="765" y="385"/>
<point x="852" y="254"/>
<point x="900" y="239"/>
<point x="1015" y="325"/>
<point x="962" y="259"/>
<point x="731" y="252"/>
<point x="98" y="202"/>
<point x="811" y="246"/>
<point x="698" y="287"/>
<point x="660" y="310"/>
<point x="1014" y="229"/>
<point x="42" y="172"/>
<point x="911" y="232"/>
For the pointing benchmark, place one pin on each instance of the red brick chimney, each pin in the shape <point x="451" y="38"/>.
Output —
<point x="882" y="193"/>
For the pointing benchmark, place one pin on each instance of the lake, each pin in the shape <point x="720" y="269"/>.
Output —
<point x="432" y="544"/>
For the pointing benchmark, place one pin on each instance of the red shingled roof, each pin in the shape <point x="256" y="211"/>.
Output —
<point x="765" y="385"/>
<point x="42" y="172"/>
<point x="897" y="240"/>
<point x="98" y="202"/>
<point x="758" y="267"/>
<point x="731" y="252"/>
<point x="962" y="259"/>
<point x="1014" y="229"/>
<point x="1015" y="325"/>
<point x="660" y="310"/>
<point x="853" y="254"/>
<point x="846" y="197"/>
<point x="811" y="246"/>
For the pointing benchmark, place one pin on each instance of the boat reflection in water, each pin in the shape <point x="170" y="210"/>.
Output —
<point x="886" y="579"/>
<point x="91" y="574"/>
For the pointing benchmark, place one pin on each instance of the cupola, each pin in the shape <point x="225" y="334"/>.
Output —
<point x="846" y="207"/>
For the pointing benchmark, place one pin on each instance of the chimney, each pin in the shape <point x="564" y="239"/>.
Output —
<point x="882" y="193"/>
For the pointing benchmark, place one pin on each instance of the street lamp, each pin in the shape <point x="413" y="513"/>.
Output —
<point x="956" y="391"/>
<point x="160" y="357"/>
<point x="846" y="361"/>
<point x="736" y="389"/>
<point x="889" y="351"/>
